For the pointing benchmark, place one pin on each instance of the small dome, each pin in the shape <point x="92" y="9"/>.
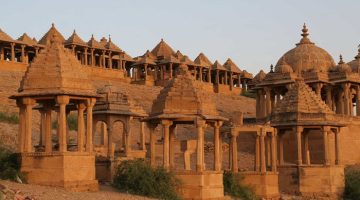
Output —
<point x="260" y="76"/>
<point x="355" y="64"/>
<point x="342" y="66"/>
<point x="306" y="56"/>
<point x="283" y="68"/>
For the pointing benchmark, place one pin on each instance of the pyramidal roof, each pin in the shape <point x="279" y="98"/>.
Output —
<point x="231" y="66"/>
<point x="111" y="46"/>
<point x="93" y="43"/>
<point x="116" y="102"/>
<point x="202" y="60"/>
<point x="218" y="66"/>
<point x="302" y="99"/>
<point x="52" y="31"/>
<point x="52" y="73"/>
<point x="5" y="37"/>
<point x="163" y="49"/>
<point x="24" y="38"/>
<point x="75" y="39"/>
<point x="183" y="97"/>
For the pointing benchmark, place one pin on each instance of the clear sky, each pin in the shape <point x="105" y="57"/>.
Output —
<point x="253" y="33"/>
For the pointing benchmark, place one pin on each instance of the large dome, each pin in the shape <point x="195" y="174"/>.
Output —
<point x="306" y="56"/>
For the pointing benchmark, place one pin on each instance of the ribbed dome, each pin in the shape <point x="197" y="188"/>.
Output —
<point x="355" y="64"/>
<point x="306" y="56"/>
<point x="260" y="76"/>
<point x="283" y="68"/>
<point x="343" y="67"/>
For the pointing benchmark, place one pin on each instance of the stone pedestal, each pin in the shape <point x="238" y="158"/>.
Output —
<point x="71" y="170"/>
<point x="313" y="180"/>
<point x="201" y="185"/>
<point x="265" y="185"/>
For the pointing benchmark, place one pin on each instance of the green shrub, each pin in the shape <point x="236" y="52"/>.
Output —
<point x="71" y="120"/>
<point x="9" y="118"/>
<point x="249" y="94"/>
<point x="234" y="188"/>
<point x="9" y="165"/>
<point x="138" y="177"/>
<point x="352" y="184"/>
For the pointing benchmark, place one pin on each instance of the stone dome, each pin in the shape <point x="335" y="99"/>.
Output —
<point x="260" y="76"/>
<point x="343" y="67"/>
<point x="306" y="56"/>
<point x="283" y="68"/>
<point x="355" y="64"/>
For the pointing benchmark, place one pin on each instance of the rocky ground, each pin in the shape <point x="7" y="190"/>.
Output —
<point x="15" y="191"/>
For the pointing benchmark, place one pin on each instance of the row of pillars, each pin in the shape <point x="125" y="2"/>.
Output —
<point x="264" y="154"/>
<point x="25" y="125"/>
<point x="303" y="150"/>
<point x="168" y="148"/>
<point x="24" y="58"/>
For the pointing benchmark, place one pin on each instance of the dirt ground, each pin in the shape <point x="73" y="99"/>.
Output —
<point x="37" y="192"/>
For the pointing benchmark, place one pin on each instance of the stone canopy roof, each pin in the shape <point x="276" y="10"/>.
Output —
<point x="75" y="39"/>
<point x="301" y="106"/>
<point x="53" y="31"/>
<point x="231" y="66"/>
<point x="183" y="98"/>
<point x="52" y="73"/>
<point x="203" y="61"/>
<point x="117" y="103"/>
<point x="163" y="50"/>
<point x="25" y="39"/>
<point x="5" y="37"/>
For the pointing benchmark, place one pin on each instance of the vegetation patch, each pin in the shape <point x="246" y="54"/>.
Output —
<point x="9" y="118"/>
<point x="249" y="94"/>
<point x="234" y="188"/>
<point x="71" y="120"/>
<point x="352" y="183"/>
<point x="138" y="177"/>
<point x="10" y="166"/>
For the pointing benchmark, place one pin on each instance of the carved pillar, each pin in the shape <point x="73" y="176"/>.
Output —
<point x="109" y="130"/>
<point x="22" y="129"/>
<point x="23" y="53"/>
<point x="195" y="72"/>
<point x="145" y="71"/>
<point x="12" y="52"/>
<point x="318" y="87"/>
<point x="89" y="122"/>
<point x="234" y="151"/>
<point x="110" y="60"/>
<point x="85" y="56"/>
<point x="231" y="80"/>
<point x="128" y="136"/>
<point x="257" y="151"/>
<point x="48" y="129"/>
<point x="226" y="77"/>
<point x="209" y="75"/>
<point x="171" y="146"/>
<point x="142" y="135"/>
<point x="258" y="104"/>
<point x="200" y="125"/>
<point x="358" y="101"/>
<point x="346" y="88"/>
<point x="81" y="127"/>
<point x="166" y="146"/>
<point x="329" y="97"/>
<point x="29" y="103"/>
<point x="239" y="81"/>
<point x="268" y="100"/>
<point x="306" y="148"/>
<point x="262" y="152"/>
<point x="337" y="147"/>
<point x="217" y="146"/>
<point x="325" y="131"/>
<point x="273" y="151"/>
<point x="62" y="101"/>
<point x="73" y="50"/>
<point x="299" y="131"/>
<point x="42" y="127"/>
<point x="217" y="77"/>
<point x="103" y="59"/>
<point x="281" y="149"/>
<point x="201" y="73"/>
<point x="2" y="53"/>
<point x="92" y="57"/>
<point x="171" y="70"/>
<point x="36" y="51"/>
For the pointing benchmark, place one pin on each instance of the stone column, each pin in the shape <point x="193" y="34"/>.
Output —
<point x="62" y="101"/>
<point x="85" y="56"/>
<point x="23" y="53"/>
<point x="103" y="59"/>
<point x="73" y="50"/>
<point x="200" y="125"/>
<point x="209" y="75"/>
<point x="243" y="86"/>
<point x="81" y="127"/>
<point x="231" y="80"/>
<point x="325" y="131"/>
<point x="358" y="101"/>
<point x="36" y="51"/>
<point x="172" y="130"/>
<point x="142" y="135"/>
<point x="257" y="151"/>
<point x="152" y="144"/>
<point x="201" y="73"/>
<point x="128" y="136"/>
<point x="268" y="100"/>
<point x="217" y="77"/>
<point x="258" y="104"/>
<point x="337" y="147"/>
<point x="110" y="60"/>
<point x="42" y="127"/>
<point x="166" y="146"/>
<point x="306" y="148"/>
<point x="171" y="70"/>
<point x="226" y="78"/>
<point x="89" y="122"/>
<point x="92" y="57"/>
<point x="21" y="133"/>
<point x="262" y="152"/>
<point x="110" y="153"/>
<point x="346" y="88"/>
<point x="12" y="52"/>
<point x="29" y="103"/>
<point x="48" y="133"/>
<point x="299" y="131"/>
<point x="268" y="150"/>
<point x="329" y="97"/>
<point x="318" y="87"/>
<point x="239" y="81"/>
<point x="2" y="53"/>
<point x="195" y="73"/>
<point x="273" y="151"/>
<point x="145" y="71"/>
<point x="217" y="146"/>
<point x="234" y="151"/>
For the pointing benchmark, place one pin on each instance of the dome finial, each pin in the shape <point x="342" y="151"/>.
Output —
<point x="53" y="25"/>
<point x="271" y="68"/>
<point x="74" y="31"/>
<point x="341" y="60"/>
<point x="304" y="31"/>
<point x="358" y="55"/>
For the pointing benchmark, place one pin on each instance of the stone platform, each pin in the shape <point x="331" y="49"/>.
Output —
<point x="265" y="185"/>
<point x="74" y="171"/>
<point x="206" y="185"/>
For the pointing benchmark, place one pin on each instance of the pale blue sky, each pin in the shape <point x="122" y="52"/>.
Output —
<point x="253" y="33"/>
